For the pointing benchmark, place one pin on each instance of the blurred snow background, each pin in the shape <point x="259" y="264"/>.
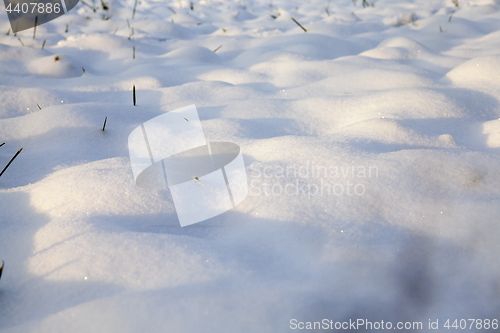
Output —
<point x="409" y="87"/>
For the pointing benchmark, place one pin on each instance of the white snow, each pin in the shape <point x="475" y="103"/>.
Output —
<point x="395" y="104"/>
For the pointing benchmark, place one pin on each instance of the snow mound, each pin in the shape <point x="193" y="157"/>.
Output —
<point x="401" y="19"/>
<point x="481" y="74"/>
<point x="18" y="102"/>
<point x="397" y="48"/>
<point x="492" y="130"/>
<point x="193" y="53"/>
<point x="389" y="131"/>
<point x="370" y="143"/>
<point x="311" y="46"/>
<point x="56" y="66"/>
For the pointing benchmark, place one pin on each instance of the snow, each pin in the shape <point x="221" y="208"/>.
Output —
<point x="396" y="101"/>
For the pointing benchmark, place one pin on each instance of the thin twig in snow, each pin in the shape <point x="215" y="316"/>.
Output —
<point x="34" y="29"/>
<point x="135" y="7"/>
<point x="104" y="5"/>
<point x="300" y="25"/>
<point x="86" y="4"/>
<point x="13" y="158"/>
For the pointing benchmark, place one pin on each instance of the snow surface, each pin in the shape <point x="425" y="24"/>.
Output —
<point x="408" y="87"/>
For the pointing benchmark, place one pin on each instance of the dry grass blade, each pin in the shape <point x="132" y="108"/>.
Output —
<point x="34" y="29"/>
<point x="13" y="158"/>
<point x="104" y="5"/>
<point x="86" y="4"/>
<point x="300" y="25"/>
<point x="135" y="7"/>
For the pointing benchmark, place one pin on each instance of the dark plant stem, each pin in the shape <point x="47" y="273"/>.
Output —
<point x="86" y="4"/>
<point x="104" y="5"/>
<point x="217" y="49"/>
<point x="2" y="144"/>
<point x="38" y="106"/>
<point x="300" y="25"/>
<point x="34" y="29"/>
<point x="104" y="126"/>
<point x="133" y="94"/>
<point x="43" y="45"/>
<point x="135" y="7"/>
<point x="13" y="158"/>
